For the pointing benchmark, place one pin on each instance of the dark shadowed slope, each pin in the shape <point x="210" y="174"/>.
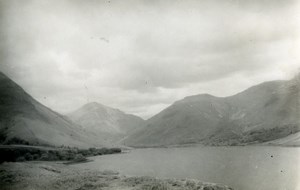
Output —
<point x="109" y="123"/>
<point x="24" y="120"/>
<point x="261" y="113"/>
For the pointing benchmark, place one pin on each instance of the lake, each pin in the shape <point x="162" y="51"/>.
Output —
<point x="243" y="168"/>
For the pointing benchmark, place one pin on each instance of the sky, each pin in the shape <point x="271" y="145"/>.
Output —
<point x="141" y="56"/>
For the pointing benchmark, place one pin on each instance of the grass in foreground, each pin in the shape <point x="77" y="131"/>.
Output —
<point x="54" y="176"/>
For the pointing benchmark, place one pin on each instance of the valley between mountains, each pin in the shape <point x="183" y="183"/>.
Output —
<point x="267" y="113"/>
<point x="32" y="135"/>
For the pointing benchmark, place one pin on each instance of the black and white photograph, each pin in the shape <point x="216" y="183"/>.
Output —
<point x="149" y="94"/>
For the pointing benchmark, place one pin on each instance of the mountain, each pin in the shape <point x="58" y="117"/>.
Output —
<point x="290" y="140"/>
<point x="262" y="113"/>
<point x="109" y="123"/>
<point x="25" y="120"/>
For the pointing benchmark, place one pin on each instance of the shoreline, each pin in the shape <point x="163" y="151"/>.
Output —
<point x="58" y="176"/>
<point x="202" y="145"/>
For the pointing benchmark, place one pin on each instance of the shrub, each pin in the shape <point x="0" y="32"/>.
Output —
<point x="28" y="153"/>
<point x="156" y="186"/>
<point x="36" y="157"/>
<point x="79" y="158"/>
<point x="71" y="156"/>
<point x="92" y="149"/>
<point x="52" y="156"/>
<point x="20" y="159"/>
<point x="16" y="140"/>
<point x="84" y="152"/>
<point x="44" y="157"/>
<point x="28" y="156"/>
<point x="116" y="150"/>
<point x="62" y="155"/>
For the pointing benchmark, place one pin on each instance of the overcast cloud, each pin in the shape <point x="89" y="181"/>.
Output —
<point x="141" y="56"/>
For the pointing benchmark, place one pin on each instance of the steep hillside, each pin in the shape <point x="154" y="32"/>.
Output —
<point x="290" y="140"/>
<point x="109" y="123"/>
<point x="261" y="113"/>
<point x="24" y="120"/>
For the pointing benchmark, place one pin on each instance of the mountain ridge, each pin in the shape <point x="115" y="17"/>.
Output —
<point x="24" y="120"/>
<point x="265" y="113"/>
<point x="268" y="108"/>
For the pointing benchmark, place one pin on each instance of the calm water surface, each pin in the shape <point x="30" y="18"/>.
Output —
<point x="243" y="168"/>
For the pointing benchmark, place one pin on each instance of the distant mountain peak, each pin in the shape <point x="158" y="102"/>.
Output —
<point x="199" y="97"/>
<point x="96" y="106"/>
<point x="105" y="121"/>
<point x="93" y="105"/>
<point x="205" y="95"/>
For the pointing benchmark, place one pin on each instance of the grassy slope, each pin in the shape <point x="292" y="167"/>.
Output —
<point x="23" y="117"/>
<point x="265" y="112"/>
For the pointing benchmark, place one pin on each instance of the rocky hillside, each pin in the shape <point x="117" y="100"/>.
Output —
<point x="262" y="113"/>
